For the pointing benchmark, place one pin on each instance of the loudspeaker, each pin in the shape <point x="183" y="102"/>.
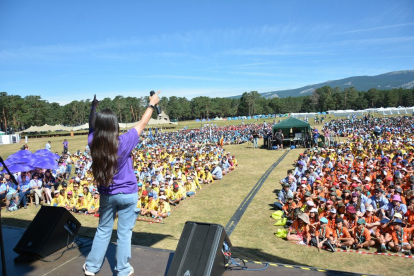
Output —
<point x="200" y="250"/>
<point x="52" y="229"/>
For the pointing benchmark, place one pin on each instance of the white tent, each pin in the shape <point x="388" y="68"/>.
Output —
<point x="32" y="129"/>
<point x="60" y="128"/>
<point x="84" y="126"/>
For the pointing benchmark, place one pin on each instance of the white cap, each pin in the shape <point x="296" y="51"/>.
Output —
<point x="398" y="215"/>
<point x="367" y="178"/>
<point x="163" y="197"/>
<point x="370" y="208"/>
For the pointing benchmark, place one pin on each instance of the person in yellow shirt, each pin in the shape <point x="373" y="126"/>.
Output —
<point x="175" y="196"/>
<point x="163" y="209"/>
<point x="143" y="201"/>
<point x="190" y="187"/>
<point x="208" y="178"/>
<point x="57" y="200"/>
<point x="83" y="182"/>
<point x="177" y="171"/>
<point x="193" y="177"/>
<point x="155" y="187"/>
<point x="167" y="190"/>
<point x="200" y="174"/>
<point x="87" y="194"/>
<point x="93" y="207"/>
<point x="151" y="206"/>
<point x="70" y="201"/>
<point x="76" y="191"/>
<point x="139" y="190"/>
<point x="81" y="205"/>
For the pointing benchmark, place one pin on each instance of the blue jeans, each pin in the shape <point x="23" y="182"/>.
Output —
<point x="125" y="205"/>
<point x="22" y="198"/>
<point x="255" y="142"/>
<point x="190" y="193"/>
<point x="278" y="205"/>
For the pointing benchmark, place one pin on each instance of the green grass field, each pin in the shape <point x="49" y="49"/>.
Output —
<point x="253" y="238"/>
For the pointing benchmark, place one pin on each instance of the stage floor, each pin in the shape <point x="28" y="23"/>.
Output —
<point x="145" y="260"/>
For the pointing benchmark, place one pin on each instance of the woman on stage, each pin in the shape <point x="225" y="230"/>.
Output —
<point x="114" y="173"/>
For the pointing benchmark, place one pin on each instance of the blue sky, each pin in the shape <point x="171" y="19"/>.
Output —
<point x="70" y="50"/>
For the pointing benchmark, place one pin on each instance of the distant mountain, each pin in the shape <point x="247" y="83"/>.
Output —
<point x="404" y="79"/>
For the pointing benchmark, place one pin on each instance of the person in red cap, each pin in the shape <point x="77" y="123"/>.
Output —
<point x="175" y="195"/>
<point x="350" y="218"/>
<point x="356" y="202"/>
<point x="70" y="201"/>
<point x="143" y="201"/>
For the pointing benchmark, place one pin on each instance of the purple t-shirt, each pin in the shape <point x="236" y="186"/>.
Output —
<point x="124" y="180"/>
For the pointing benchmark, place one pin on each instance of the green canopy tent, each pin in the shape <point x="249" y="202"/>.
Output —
<point x="290" y="124"/>
<point x="289" y="127"/>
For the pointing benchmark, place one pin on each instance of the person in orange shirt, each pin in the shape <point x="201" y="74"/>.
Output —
<point x="362" y="236"/>
<point x="307" y="196"/>
<point x="408" y="183"/>
<point x="319" y="192"/>
<point x="372" y="221"/>
<point x="299" y="229"/>
<point x="410" y="213"/>
<point x="383" y="234"/>
<point x="325" y="235"/>
<point x="400" y="237"/>
<point x="289" y="208"/>
<point x="341" y="236"/>
<point x="313" y="217"/>
<point x="331" y="216"/>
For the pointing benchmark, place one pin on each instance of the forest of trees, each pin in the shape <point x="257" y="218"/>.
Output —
<point x="17" y="113"/>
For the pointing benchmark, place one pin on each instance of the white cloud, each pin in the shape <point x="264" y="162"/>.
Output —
<point x="376" y="28"/>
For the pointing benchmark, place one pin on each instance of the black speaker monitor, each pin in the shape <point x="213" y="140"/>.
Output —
<point x="200" y="251"/>
<point x="52" y="229"/>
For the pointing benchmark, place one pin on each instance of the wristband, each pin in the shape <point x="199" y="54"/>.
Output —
<point x="153" y="107"/>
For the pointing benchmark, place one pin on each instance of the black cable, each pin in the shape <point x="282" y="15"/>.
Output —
<point x="83" y="244"/>
<point x="83" y="236"/>
<point x="238" y="266"/>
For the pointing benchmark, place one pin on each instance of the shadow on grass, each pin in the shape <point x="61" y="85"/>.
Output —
<point x="27" y="265"/>
<point x="255" y="254"/>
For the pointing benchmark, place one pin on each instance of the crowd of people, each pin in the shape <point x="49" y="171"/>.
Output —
<point x="169" y="167"/>
<point x="354" y="194"/>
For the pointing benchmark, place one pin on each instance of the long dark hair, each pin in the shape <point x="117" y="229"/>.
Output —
<point x="104" y="147"/>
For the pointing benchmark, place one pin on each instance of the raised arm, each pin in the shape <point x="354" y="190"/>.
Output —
<point x="92" y="114"/>
<point x="153" y="101"/>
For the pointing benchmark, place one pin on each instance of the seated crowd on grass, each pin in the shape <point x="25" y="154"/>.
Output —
<point x="169" y="167"/>
<point x="355" y="194"/>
